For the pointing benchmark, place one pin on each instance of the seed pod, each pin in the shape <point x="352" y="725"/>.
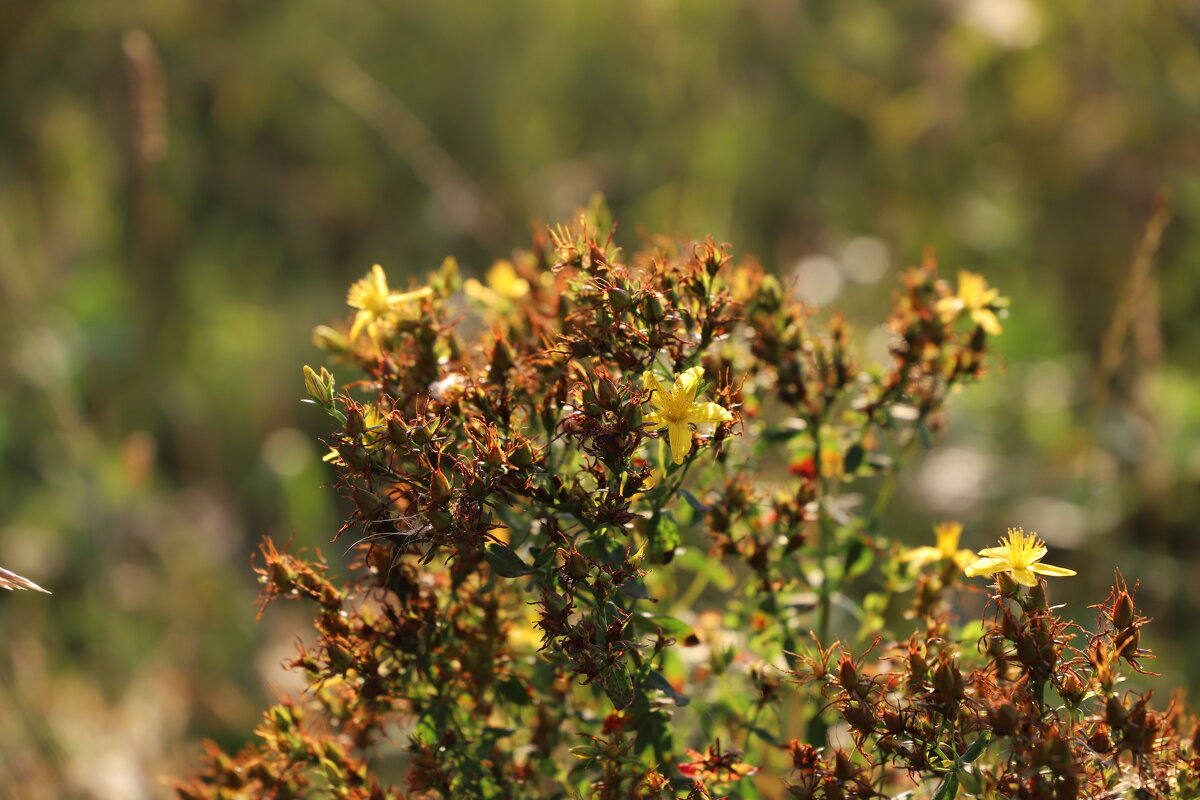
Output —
<point x="397" y="431"/>
<point x="1123" y="611"/>
<point x="1114" y="713"/>
<point x="652" y="308"/>
<point x="523" y="456"/>
<point x="618" y="299"/>
<point x="1036" y="599"/>
<point x="1004" y="719"/>
<point x="1005" y="585"/>
<point x="440" y="487"/>
<point x="356" y="457"/>
<point x="607" y="394"/>
<point x="356" y="425"/>
<point x="369" y="504"/>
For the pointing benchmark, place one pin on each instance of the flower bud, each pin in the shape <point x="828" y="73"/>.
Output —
<point x="356" y="457"/>
<point x="440" y="519"/>
<point x="319" y="386"/>
<point x="502" y="359"/>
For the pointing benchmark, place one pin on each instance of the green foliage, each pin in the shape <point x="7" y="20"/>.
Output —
<point x="517" y="600"/>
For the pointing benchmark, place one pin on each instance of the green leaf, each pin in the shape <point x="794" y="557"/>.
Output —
<point x="664" y="539"/>
<point x="655" y="680"/>
<point x="668" y="625"/>
<point x="764" y="734"/>
<point x="512" y="690"/>
<point x="694" y="502"/>
<point x="858" y="559"/>
<point x="853" y="459"/>
<point x="503" y="561"/>
<point x="976" y="748"/>
<point x="949" y="788"/>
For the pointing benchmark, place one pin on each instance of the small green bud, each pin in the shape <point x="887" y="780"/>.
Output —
<point x="319" y="386"/>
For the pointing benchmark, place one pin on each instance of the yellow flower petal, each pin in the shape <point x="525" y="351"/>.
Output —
<point x="987" y="319"/>
<point x="407" y="297"/>
<point x="1024" y="577"/>
<point x="709" y="412"/>
<point x="1050" y="569"/>
<point x="986" y="566"/>
<point x="680" y="436"/>
<point x="920" y="556"/>
<point x="360" y="319"/>
<point x="651" y="383"/>
<point x="687" y="383"/>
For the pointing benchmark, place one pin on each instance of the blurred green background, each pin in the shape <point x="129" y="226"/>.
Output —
<point x="187" y="188"/>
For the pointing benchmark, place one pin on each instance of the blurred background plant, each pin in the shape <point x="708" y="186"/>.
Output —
<point x="185" y="188"/>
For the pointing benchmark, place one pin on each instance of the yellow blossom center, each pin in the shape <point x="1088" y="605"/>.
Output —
<point x="1023" y="548"/>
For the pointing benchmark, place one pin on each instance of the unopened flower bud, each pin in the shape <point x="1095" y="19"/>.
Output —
<point x="319" y="386"/>
<point x="397" y="431"/>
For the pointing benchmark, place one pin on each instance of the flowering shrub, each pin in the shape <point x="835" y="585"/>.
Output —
<point x="619" y="534"/>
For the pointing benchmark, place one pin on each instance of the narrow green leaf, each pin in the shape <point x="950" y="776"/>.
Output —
<point x="503" y="561"/>
<point x="853" y="459"/>
<point x="949" y="788"/>
<point x="976" y="748"/>
<point x="655" y="680"/>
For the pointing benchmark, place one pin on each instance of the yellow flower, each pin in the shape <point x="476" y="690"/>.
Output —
<point x="676" y="408"/>
<point x="948" y="534"/>
<point x="1018" y="553"/>
<point x="376" y="302"/>
<point x="975" y="297"/>
<point x="503" y="284"/>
